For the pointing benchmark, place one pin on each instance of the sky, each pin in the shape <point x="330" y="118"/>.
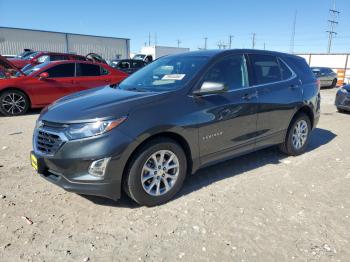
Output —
<point x="189" y="21"/>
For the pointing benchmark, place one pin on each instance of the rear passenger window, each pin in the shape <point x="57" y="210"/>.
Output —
<point x="88" y="70"/>
<point x="104" y="71"/>
<point x="286" y="72"/>
<point x="266" y="69"/>
<point x="58" y="57"/>
<point x="231" y="71"/>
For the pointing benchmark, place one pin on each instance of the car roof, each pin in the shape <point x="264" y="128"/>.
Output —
<point x="55" y="53"/>
<point x="74" y="61"/>
<point x="218" y="52"/>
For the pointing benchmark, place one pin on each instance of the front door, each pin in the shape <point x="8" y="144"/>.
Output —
<point x="227" y="120"/>
<point x="59" y="83"/>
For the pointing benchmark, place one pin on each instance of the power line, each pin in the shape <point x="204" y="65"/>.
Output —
<point x="334" y="13"/>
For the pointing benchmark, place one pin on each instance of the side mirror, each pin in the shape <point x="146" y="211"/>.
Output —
<point x="209" y="88"/>
<point x="43" y="76"/>
<point x="34" y="61"/>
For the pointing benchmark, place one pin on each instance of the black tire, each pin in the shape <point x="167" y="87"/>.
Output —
<point x="334" y="83"/>
<point x="287" y="146"/>
<point x="132" y="181"/>
<point x="6" y="99"/>
<point x="341" y="110"/>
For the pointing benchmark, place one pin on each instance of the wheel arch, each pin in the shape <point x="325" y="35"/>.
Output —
<point x="20" y="90"/>
<point x="307" y="111"/>
<point x="166" y="134"/>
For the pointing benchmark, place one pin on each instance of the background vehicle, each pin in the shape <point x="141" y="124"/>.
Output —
<point x="151" y="53"/>
<point x="327" y="77"/>
<point x="42" y="57"/>
<point x="174" y="116"/>
<point x="128" y="66"/>
<point x="25" y="53"/>
<point x="43" y="84"/>
<point x="342" y="100"/>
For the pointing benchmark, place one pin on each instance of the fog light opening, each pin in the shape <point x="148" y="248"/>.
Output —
<point x="98" y="167"/>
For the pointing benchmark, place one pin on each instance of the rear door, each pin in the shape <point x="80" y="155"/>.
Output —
<point x="59" y="83"/>
<point x="279" y="93"/>
<point x="90" y="76"/>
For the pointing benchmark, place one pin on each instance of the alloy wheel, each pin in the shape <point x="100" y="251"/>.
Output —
<point x="13" y="103"/>
<point x="300" y="134"/>
<point x="160" y="172"/>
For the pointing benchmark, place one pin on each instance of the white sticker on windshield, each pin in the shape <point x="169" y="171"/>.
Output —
<point x="174" y="77"/>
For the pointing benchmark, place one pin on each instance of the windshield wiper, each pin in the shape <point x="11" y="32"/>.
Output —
<point x="137" y="89"/>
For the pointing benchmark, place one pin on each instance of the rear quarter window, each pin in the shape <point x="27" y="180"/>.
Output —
<point x="301" y="68"/>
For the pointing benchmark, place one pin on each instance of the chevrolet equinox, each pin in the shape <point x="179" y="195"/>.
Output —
<point x="176" y="115"/>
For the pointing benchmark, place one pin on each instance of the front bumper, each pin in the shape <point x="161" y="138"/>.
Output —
<point x="342" y="100"/>
<point x="68" y="167"/>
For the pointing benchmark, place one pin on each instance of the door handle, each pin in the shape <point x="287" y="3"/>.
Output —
<point x="248" y="97"/>
<point x="293" y="87"/>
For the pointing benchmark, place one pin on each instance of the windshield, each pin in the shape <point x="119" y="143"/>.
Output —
<point x="30" y="56"/>
<point x="165" y="74"/>
<point x="140" y="57"/>
<point x="27" y="70"/>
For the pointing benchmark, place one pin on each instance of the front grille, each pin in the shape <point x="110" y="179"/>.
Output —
<point x="47" y="143"/>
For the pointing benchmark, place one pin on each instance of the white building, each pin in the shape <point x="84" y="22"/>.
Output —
<point x="14" y="40"/>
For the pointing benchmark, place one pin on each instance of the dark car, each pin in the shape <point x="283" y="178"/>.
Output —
<point x="342" y="100"/>
<point x="327" y="77"/>
<point x="174" y="116"/>
<point x="129" y="66"/>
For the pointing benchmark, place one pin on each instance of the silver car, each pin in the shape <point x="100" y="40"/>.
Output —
<point x="327" y="76"/>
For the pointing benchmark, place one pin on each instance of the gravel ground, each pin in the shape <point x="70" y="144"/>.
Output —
<point x="260" y="207"/>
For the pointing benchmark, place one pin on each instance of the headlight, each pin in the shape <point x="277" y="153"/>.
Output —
<point x="77" y="131"/>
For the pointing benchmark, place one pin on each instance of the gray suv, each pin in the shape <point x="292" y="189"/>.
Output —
<point x="176" y="115"/>
<point x="327" y="77"/>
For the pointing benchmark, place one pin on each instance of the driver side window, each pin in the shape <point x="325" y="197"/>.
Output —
<point x="231" y="71"/>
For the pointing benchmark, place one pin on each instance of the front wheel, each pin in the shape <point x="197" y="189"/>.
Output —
<point x="13" y="103"/>
<point x="156" y="172"/>
<point x="298" y="136"/>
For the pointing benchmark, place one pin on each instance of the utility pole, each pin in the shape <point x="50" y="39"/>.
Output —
<point x="205" y="43"/>
<point x="230" y="41"/>
<point x="293" y="33"/>
<point x="334" y="14"/>
<point x="149" y="39"/>
<point x="178" y="42"/>
<point x="155" y="39"/>
<point x="253" y="41"/>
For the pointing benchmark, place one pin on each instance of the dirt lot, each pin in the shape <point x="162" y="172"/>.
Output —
<point x="260" y="207"/>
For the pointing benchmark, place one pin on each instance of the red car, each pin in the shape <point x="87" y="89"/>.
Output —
<point x="42" y="84"/>
<point x="42" y="57"/>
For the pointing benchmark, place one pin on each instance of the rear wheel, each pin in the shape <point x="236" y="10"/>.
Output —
<point x="156" y="173"/>
<point x="13" y="103"/>
<point x="334" y="83"/>
<point x="298" y="136"/>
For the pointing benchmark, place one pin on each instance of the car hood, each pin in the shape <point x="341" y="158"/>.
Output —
<point x="347" y="88"/>
<point x="98" y="103"/>
<point x="8" y="64"/>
